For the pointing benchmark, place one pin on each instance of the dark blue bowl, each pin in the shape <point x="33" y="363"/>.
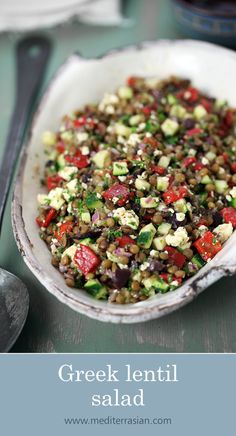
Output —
<point x="212" y="24"/>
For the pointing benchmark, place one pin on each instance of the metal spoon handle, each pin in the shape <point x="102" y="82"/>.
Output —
<point x="32" y="54"/>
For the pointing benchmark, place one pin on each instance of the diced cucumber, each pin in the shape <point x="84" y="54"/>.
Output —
<point x="159" y="243"/>
<point x="162" y="183"/>
<point x="142" y="185"/>
<point x="49" y="139"/>
<point x="101" y="158"/>
<point x="178" y="111"/>
<point x="120" y="168"/>
<point x="96" y="289"/>
<point x="199" y="112"/>
<point x="164" y="161"/>
<point x="221" y="186"/>
<point x="61" y="161"/>
<point x="169" y="127"/>
<point x="180" y="206"/>
<point x="125" y="92"/>
<point x="233" y="203"/>
<point x="203" y="196"/>
<point x="171" y="99"/>
<point x="157" y="283"/>
<point x="149" y="202"/>
<point x="92" y="201"/>
<point x="135" y="119"/>
<point x="198" y="261"/>
<point x="146" y="236"/>
<point x="164" y="228"/>
<point x="85" y="217"/>
<point x="205" y="180"/>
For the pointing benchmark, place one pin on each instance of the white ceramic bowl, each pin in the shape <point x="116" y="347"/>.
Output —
<point x="80" y="81"/>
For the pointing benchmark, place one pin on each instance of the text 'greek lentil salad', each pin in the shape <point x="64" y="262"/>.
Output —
<point x="141" y="189"/>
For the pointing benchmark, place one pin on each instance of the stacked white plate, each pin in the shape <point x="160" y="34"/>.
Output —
<point x="18" y="15"/>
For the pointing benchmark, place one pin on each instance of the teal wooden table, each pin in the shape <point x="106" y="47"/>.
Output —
<point x="206" y="325"/>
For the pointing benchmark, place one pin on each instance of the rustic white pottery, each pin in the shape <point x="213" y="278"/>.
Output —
<point x="80" y="81"/>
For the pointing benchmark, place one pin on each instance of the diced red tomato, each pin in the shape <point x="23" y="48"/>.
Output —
<point x="175" y="257"/>
<point x="191" y="94"/>
<point x="124" y="240"/>
<point x="86" y="259"/>
<point x="63" y="229"/>
<point x="53" y="181"/>
<point x="131" y="81"/>
<point x="146" y="110"/>
<point x="178" y="279"/>
<point x="207" y="246"/>
<point x="228" y="118"/>
<point x="164" y="276"/>
<point x="174" y="194"/>
<point x="233" y="166"/>
<point x="225" y="156"/>
<point x="229" y="215"/>
<point x="206" y="104"/>
<point x="117" y="190"/>
<point x="195" y="131"/>
<point x="189" y="161"/>
<point x="60" y="147"/>
<point x="79" y="122"/>
<point x="78" y="160"/>
<point x="158" y="169"/>
<point x="198" y="166"/>
<point x="51" y="214"/>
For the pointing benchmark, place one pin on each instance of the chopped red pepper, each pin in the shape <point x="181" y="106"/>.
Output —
<point x="229" y="215"/>
<point x="158" y="169"/>
<point x="60" y="147"/>
<point x="173" y="194"/>
<point x="191" y="94"/>
<point x="53" y="181"/>
<point x="86" y="259"/>
<point x="198" y="166"/>
<point x="175" y="257"/>
<point x="195" y="131"/>
<point x="233" y="166"/>
<point x="131" y="81"/>
<point x="63" y="229"/>
<point x="146" y="110"/>
<point x="78" y="160"/>
<point x="189" y="161"/>
<point x="124" y="240"/>
<point x="206" y="104"/>
<point x="79" y="122"/>
<point x="228" y="118"/>
<point x="117" y="190"/>
<point x="47" y="219"/>
<point x="164" y="276"/>
<point x="207" y="246"/>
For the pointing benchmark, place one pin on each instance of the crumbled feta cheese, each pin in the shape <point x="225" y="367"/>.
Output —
<point x="139" y="152"/>
<point x="85" y="150"/>
<point x="143" y="175"/>
<point x="99" y="195"/>
<point x="121" y="139"/>
<point x="233" y="192"/>
<point x="56" y="198"/>
<point x="223" y="231"/>
<point x="135" y="119"/>
<point x="122" y="130"/>
<point x="210" y="156"/>
<point x="157" y="152"/>
<point x="174" y="283"/>
<point x="110" y="109"/>
<point x="205" y="161"/>
<point x="68" y="172"/>
<point x="169" y="127"/>
<point x="126" y="217"/>
<point x="108" y="99"/>
<point x="122" y="178"/>
<point x="84" y="185"/>
<point x="72" y="186"/>
<point x="82" y="136"/>
<point x="154" y="253"/>
<point x="70" y="251"/>
<point x="125" y="92"/>
<point x="228" y="197"/>
<point x="180" y="216"/>
<point x="141" y="127"/>
<point x="180" y="237"/>
<point x="202" y="229"/>
<point x="178" y="111"/>
<point x="144" y="266"/>
<point x="134" y="139"/>
<point x="192" y="152"/>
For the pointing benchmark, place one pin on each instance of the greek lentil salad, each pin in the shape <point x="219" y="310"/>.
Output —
<point x="141" y="189"/>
